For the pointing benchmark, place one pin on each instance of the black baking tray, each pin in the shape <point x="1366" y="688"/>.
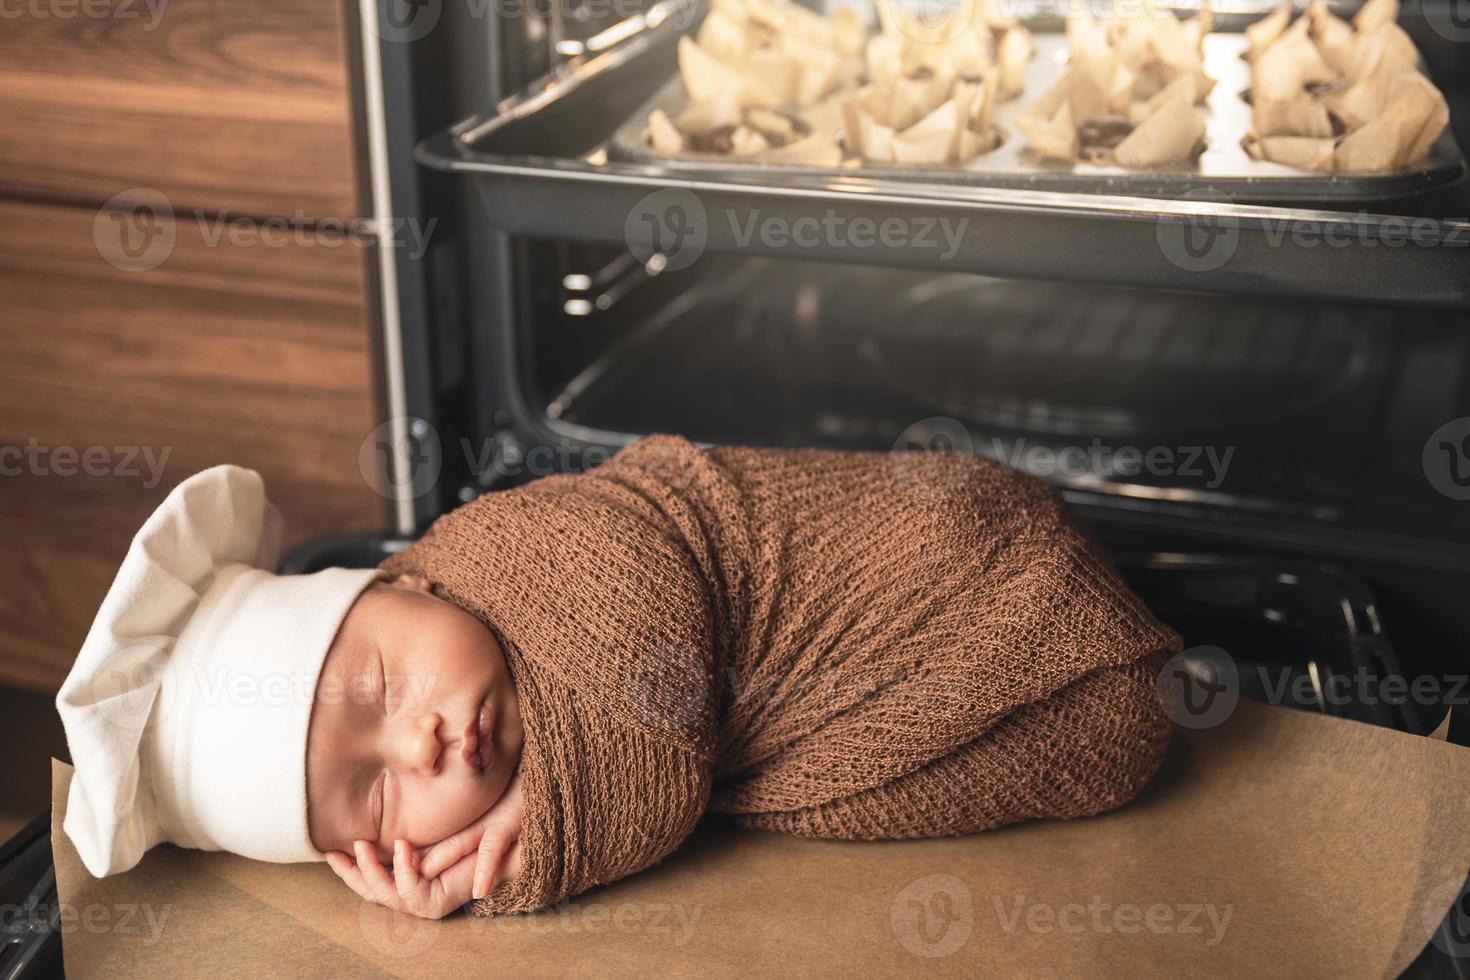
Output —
<point x="537" y="165"/>
<point x="1223" y="171"/>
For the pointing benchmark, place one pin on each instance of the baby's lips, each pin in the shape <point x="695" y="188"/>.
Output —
<point x="479" y="735"/>
<point x="480" y="742"/>
<point x="469" y="747"/>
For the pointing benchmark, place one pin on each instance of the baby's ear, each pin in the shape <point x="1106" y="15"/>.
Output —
<point x="416" y="583"/>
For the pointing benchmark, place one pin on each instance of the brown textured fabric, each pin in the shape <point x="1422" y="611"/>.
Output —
<point x="832" y="644"/>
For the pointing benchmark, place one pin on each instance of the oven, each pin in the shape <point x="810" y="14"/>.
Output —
<point x="1203" y="372"/>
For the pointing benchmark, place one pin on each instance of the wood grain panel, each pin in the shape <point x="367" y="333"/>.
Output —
<point x="218" y="104"/>
<point x="253" y="355"/>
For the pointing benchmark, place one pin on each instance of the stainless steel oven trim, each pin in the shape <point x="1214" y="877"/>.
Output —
<point x="381" y="196"/>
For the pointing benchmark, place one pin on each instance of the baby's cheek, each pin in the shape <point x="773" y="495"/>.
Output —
<point x="433" y="812"/>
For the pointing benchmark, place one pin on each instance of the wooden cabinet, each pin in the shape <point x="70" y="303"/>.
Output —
<point x="238" y="105"/>
<point x="230" y="349"/>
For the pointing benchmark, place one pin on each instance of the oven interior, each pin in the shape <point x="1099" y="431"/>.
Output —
<point x="1284" y="429"/>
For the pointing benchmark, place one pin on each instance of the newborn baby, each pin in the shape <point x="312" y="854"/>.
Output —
<point x="414" y="740"/>
<point x="548" y="689"/>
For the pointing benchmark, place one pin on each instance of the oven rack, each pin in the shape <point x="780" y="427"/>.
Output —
<point x="537" y="166"/>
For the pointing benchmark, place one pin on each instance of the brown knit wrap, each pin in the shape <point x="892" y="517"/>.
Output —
<point x="831" y="644"/>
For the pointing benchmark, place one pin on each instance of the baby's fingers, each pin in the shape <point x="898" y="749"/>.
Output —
<point x="380" y="886"/>
<point x="448" y="851"/>
<point x="487" y="862"/>
<point x="342" y="865"/>
<point x="405" y="879"/>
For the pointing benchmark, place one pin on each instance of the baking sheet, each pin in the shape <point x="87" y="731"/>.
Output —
<point x="1223" y="171"/>
<point x="1280" y="843"/>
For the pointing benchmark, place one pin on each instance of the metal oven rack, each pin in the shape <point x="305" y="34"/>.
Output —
<point x="538" y="166"/>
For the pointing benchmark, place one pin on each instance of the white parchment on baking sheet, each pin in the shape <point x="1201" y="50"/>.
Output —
<point x="1280" y="843"/>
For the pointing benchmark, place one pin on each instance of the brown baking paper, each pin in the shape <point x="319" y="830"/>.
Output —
<point x="1278" y="844"/>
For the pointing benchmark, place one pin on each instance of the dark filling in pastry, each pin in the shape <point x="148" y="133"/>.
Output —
<point x="1318" y="89"/>
<point x="717" y="140"/>
<point x="1097" y="136"/>
<point x="721" y="138"/>
<point x="1103" y="132"/>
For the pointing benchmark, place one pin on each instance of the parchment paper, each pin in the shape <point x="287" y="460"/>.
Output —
<point x="1278" y="844"/>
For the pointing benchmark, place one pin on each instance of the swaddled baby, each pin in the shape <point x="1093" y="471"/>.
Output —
<point x="547" y="690"/>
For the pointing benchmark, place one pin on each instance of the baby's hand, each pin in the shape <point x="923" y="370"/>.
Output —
<point x="493" y="841"/>
<point x="435" y="882"/>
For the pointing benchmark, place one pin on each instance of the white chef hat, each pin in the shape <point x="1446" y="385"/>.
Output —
<point x="187" y="708"/>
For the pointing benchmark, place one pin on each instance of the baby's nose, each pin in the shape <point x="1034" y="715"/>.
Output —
<point x="421" y="744"/>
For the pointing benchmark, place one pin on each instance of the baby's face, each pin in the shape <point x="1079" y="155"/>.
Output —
<point x="415" y="729"/>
